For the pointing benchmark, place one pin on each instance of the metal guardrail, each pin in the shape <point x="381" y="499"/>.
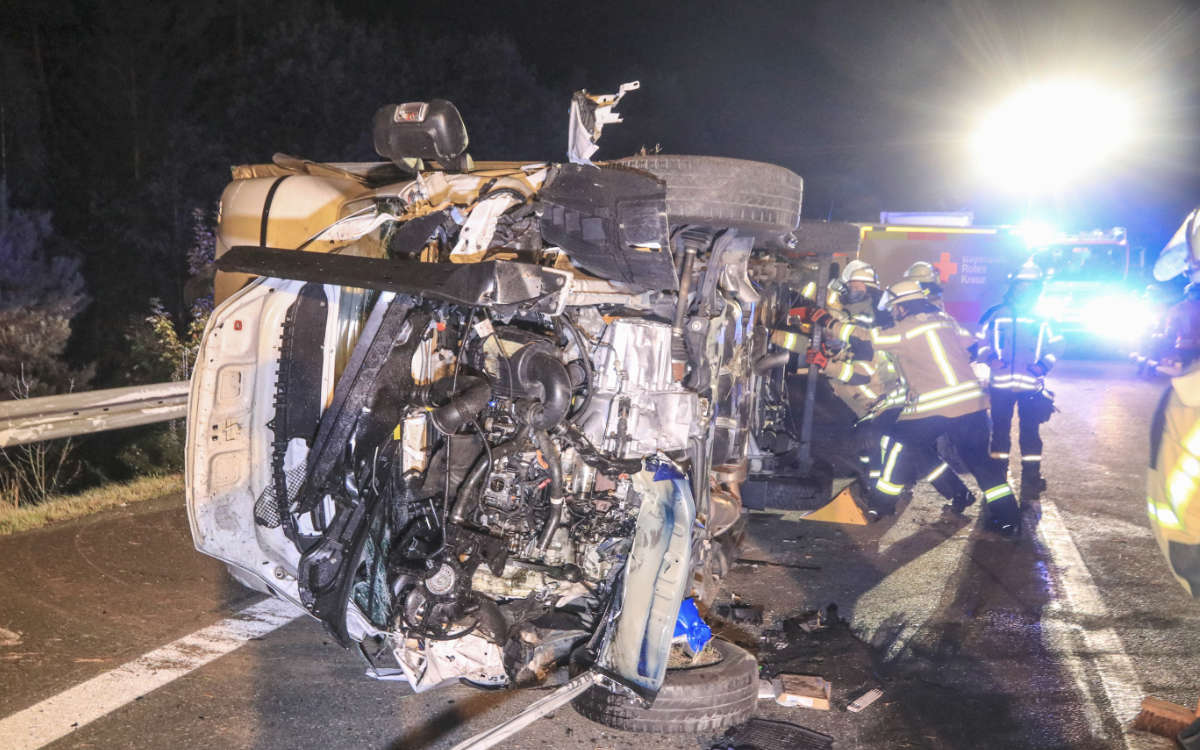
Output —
<point x="48" y="417"/>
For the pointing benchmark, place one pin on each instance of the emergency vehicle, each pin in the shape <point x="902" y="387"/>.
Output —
<point x="1091" y="291"/>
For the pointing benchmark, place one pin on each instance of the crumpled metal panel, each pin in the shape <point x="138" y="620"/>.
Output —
<point x="612" y="222"/>
<point x="637" y="644"/>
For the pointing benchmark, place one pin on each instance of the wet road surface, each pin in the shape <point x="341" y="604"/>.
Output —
<point x="1049" y="641"/>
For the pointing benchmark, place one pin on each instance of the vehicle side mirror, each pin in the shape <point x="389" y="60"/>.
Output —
<point x="421" y="130"/>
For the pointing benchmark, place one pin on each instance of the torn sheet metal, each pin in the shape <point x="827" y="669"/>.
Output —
<point x="589" y="114"/>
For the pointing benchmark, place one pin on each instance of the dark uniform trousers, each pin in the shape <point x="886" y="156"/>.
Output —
<point x="918" y="454"/>
<point x="1027" y="405"/>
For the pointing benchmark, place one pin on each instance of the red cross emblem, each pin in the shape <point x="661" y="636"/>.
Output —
<point x="946" y="267"/>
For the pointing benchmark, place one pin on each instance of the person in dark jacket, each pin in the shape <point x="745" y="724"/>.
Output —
<point x="1020" y="347"/>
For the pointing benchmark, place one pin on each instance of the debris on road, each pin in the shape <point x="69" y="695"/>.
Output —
<point x="804" y="691"/>
<point x="1164" y="718"/>
<point x="864" y="700"/>
<point x="751" y="614"/>
<point x="764" y="734"/>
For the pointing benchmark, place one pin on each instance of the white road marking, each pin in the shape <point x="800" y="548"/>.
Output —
<point x="62" y="714"/>
<point x="1101" y="646"/>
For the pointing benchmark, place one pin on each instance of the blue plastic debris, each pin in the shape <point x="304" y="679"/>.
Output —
<point x="691" y="627"/>
<point x="665" y="470"/>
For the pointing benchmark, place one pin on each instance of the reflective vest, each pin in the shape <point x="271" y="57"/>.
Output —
<point x="1019" y="339"/>
<point x="1173" y="481"/>
<point x="931" y="350"/>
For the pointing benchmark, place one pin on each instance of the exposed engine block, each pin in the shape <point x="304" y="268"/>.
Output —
<point x="637" y="406"/>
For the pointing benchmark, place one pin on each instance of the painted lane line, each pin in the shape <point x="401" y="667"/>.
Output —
<point x="1081" y="599"/>
<point x="62" y="714"/>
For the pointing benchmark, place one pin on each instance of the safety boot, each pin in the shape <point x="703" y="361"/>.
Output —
<point x="1032" y="483"/>
<point x="960" y="503"/>
<point x="1002" y="516"/>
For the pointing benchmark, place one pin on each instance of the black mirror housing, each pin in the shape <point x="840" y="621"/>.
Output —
<point x="421" y="130"/>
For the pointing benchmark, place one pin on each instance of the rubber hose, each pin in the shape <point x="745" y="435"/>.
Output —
<point x="771" y="361"/>
<point x="467" y="497"/>
<point x="465" y="407"/>
<point x="543" y="376"/>
<point x="554" y="463"/>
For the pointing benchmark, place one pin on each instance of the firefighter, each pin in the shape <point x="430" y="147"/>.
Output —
<point x="858" y="293"/>
<point x="944" y="399"/>
<point x="930" y="280"/>
<point x="1020" y="347"/>
<point x="1182" y="327"/>
<point x="1173" y="482"/>
<point x="872" y="385"/>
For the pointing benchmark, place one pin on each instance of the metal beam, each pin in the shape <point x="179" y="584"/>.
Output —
<point x="34" y="419"/>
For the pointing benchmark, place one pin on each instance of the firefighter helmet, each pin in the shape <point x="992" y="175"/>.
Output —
<point x="923" y="272"/>
<point x="860" y="270"/>
<point x="905" y="290"/>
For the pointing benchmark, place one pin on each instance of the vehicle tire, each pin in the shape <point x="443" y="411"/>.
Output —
<point x="697" y="700"/>
<point x="763" y="199"/>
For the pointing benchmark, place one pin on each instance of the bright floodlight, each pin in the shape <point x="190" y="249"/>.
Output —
<point x="1051" y="134"/>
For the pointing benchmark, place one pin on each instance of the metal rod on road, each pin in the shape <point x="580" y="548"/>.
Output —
<point x="48" y="417"/>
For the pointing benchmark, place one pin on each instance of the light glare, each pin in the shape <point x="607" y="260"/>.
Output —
<point x="1051" y="134"/>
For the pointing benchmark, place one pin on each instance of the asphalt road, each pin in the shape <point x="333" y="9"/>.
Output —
<point x="1044" y="642"/>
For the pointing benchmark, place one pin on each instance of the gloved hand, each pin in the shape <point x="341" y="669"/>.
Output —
<point x="813" y="315"/>
<point x="996" y="364"/>
<point x="815" y="357"/>
<point x="1037" y="370"/>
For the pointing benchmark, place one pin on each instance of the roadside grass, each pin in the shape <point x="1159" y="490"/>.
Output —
<point x="66" y="507"/>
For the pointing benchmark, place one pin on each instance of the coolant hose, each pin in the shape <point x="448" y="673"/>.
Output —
<point x="771" y="361"/>
<point x="468" y="491"/>
<point x="554" y="465"/>
<point x="465" y="407"/>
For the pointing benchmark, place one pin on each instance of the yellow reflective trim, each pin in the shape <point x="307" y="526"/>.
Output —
<point x="845" y="333"/>
<point x="1163" y="515"/>
<point x="1189" y="465"/>
<point x="939" y="356"/>
<point x="923" y="328"/>
<point x="1192" y="442"/>
<point x="941" y="469"/>
<point x="846" y="372"/>
<point x="997" y="492"/>
<point x="810" y="290"/>
<point x="937" y="393"/>
<point x="922" y="407"/>
<point x="868" y="392"/>
<point x="867" y="368"/>
<point x="879" y="338"/>
<point x="891" y="462"/>
<point x="888" y="488"/>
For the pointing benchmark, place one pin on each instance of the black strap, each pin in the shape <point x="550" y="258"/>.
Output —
<point x="266" y="211"/>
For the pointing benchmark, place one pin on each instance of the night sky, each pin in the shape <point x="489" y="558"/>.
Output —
<point x="873" y="101"/>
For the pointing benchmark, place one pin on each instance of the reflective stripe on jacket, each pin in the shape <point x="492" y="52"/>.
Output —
<point x="931" y="350"/>
<point x="868" y="387"/>
<point x="1173" y="481"/>
<point x="1019" y="340"/>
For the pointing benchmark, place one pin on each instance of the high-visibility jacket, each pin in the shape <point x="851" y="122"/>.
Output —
<point x="1173" y="481"/>
<point x="868" y="386"/>
<point x="931" y="350"/>
<point x="1019" y="339"/>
